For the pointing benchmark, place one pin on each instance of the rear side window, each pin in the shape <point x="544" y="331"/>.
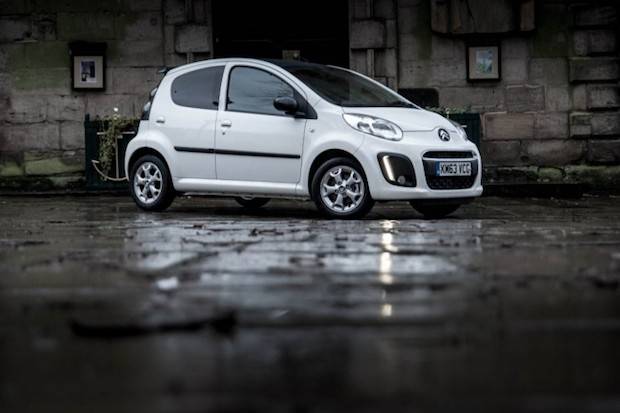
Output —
<point x="198" y="89"/>
<point x="254" y="90"/>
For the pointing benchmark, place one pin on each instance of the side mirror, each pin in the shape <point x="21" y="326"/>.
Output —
<point x="286" y="104"/>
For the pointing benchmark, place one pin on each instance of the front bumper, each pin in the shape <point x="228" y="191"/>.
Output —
<point x="414" y="146"/>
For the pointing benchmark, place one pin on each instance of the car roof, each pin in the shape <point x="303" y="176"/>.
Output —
<point x="287" y="65"/>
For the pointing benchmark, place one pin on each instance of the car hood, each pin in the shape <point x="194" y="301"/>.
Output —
<point x="408" y="119"/>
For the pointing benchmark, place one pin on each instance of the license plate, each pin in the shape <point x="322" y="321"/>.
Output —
<point x="453" y="169"/>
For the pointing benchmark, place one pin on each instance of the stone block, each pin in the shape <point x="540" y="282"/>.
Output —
<point x="192" y="38"/>
<point x="384" y="9"/>
<point x="135" y="53"/>
<point x="391" y="34"/>
<point x="595" y="15"/>
<point x="367" y="34"/>
<point x="593" y="42"/>
<point x="138" y="26"/>
<point x="174" y="11"/>
<point x="132" y="80"/>
<point x="445" y="48"/>
<point x="450" y="72"/>
<point x="481" y="16"/>
<point x="414" y="47"/>
<point x="44" y="27"/>
<point x="145" y="5"/>
<point x="558" y="99"/>
<point x="440" y="16"/>
<point x="515" y="48"/>
<point x="62" y="108"/>
<point x="50" y="81"/>
<point x="43" y="136"/>
<point x="553" y="152"/>
<point x="359" y="61"/>
<point x="14" y="28"/>
<point x="24" y="109"/>
<point x="584" y="69"/>
<point x="10" y="166"/>
<point x="501" y="152"/>
<point x="514" y="71"/>
<point x="386" y="63"/>
<point x="550" y="174"/>
<point x="551" y="38"/>
<point x="606" y="124"/>
<point x="603" y="96"/>
<point x="525" y="98"/>
<point x="551" y="125"/>
<point x="604" y="151"/>
<point x="91" y="26"/>
<point x="53" y="163"/>
<point x="103" y="105"/>
<point x="474" y="99"/>
<point x="580" y="124"/>
<point x="502" y="125"/>
<point x="414" y="73"/>
<point x="38" y="55"/>
<point x="552" y="72"/>
<point x="71" y="135"/>
<point x="580" y="97"/>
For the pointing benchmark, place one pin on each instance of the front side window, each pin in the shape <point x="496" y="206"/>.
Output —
<point x="198" y="89"/>
<point x="254" y="90"/>
<point x="345" y="88"/>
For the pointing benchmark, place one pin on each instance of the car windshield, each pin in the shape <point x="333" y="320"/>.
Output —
<point x="345" y="88"/>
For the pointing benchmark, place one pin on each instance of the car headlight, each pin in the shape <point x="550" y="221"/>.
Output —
<point x="460" y="130"/>
<point x="378" y="127"/>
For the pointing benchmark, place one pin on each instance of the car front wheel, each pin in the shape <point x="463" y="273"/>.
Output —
<point x="340" y="189"/>
<point x="150" y="184"/>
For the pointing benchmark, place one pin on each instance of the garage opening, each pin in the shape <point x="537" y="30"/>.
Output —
<point x="315" y="31"/>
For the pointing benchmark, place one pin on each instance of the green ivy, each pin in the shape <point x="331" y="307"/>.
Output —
<point x="112" y="127"/>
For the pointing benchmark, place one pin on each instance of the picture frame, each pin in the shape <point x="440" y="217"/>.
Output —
<point x="88" y="66"/>
<point x="484" y="63"/>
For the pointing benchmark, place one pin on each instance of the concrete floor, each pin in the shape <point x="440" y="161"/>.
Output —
<point x="510" y="305"/>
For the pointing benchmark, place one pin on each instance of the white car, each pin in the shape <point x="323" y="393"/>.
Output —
<point x="256" y="130"/>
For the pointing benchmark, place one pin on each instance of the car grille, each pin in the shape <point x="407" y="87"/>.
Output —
<point x="449" y="155"/>
<point x="450" y="182"/>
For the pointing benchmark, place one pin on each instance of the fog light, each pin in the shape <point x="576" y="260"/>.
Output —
<point x="397" y="169"/>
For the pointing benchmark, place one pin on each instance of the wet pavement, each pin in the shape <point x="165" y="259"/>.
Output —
<point x="510" y="305"/>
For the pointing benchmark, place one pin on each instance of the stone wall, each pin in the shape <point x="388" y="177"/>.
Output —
<point x="41" y="117"/>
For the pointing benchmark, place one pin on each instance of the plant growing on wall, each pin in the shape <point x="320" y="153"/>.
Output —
<point x="111" y="128"/>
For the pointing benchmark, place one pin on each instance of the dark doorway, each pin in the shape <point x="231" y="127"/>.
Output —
<point x="315" y="31"/>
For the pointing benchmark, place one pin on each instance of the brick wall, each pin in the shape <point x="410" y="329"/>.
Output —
<point x="41" y="117"/>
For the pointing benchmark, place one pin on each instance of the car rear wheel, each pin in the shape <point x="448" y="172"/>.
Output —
<point x="150" y="184"/>
<point x="340" y="189"/>
<point x="251" y="202"/>
<point x="435" y="211"/>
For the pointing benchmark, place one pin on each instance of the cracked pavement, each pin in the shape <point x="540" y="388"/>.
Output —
<point x="509" y="305"/>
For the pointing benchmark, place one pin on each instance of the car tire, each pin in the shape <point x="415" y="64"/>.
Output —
<point x="435" y="211"/>
<point x="150" y="184"/>
<point x="252" y="203"/>
<point x="352" y="202"/>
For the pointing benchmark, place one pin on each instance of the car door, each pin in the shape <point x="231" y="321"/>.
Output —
<point x="190" y="120"/>
<point x="255" y="141"/>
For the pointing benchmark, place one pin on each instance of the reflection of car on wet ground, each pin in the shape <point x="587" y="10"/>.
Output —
<point x="256" y="129"/>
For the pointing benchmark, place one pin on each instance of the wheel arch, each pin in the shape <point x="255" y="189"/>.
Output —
<point x="143" y="151"/>
<point x="325" y="156"/>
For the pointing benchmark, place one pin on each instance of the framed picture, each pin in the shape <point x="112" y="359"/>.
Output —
<point x="88" y="66"/>
<point x="483" y="63"/>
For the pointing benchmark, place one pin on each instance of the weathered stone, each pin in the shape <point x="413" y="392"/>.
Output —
<point x="595" y="15"/>
<point x="603" y="96"/>
<point x="553" y="152"/>
<point x="515" y="48"/>
<point x="38" y="55"/>
<point x="450" y="72"/>
<point x="583" y="69"/>
<point x="44" y="27"/>
<point x="384" y="9"/>
<point x="527" y="14"/>
<point x="514" y="71"/>
<point x="501" y="152"/>
<point x="443" y="48"/>
<point x="414" y="73"/>
<point x="386" y="63"/>
<point x="132" y="80"/>
<point x="604" y="151"/>
<point x="88" y="26"/>
<point x="604" y="177"/>
<point x="42" y="81"/>
<point x="580" y="124"/>
<point x="480" y="16"/>
<point x="174" y="11"/>
<point x="593" y="42"/>
<point x="368" y="34"/>
<point x="551" y="38"/>
<point x="551" y="125"/>
<point x="580" y="97"/>
<point x="359" y="61"/>
<point x="558" y="99"/>
<point x="24" y="109"/>
<point x="42" y="136"/>
<point x="605" y="124"/>
<point x="14" y="28"/>
<point x="391" y="34"/>
<point x="71" y="135"/>
<point x="192" y="38"/>
<point x="502" y="125"/>
<point x="548" y="72"/>
<point x="103" y="105"/>
<point x="135" y="53"/>
<point x="53" y="163"/>
<point x="549" y="174"/>
<point x="139" y="26"/>
<point x="10" y="167"/>
<point x="525" y="98"/>
<point x="144" y="5"/>
<point x="414" y="48"/>
<point x="475" y="99"/>
<point x="61" y="108"/>
<point x="440" y="16"/>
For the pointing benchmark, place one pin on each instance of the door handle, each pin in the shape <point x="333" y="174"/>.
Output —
<point x="226" y="124"/>
<point x="161" y="120"/>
